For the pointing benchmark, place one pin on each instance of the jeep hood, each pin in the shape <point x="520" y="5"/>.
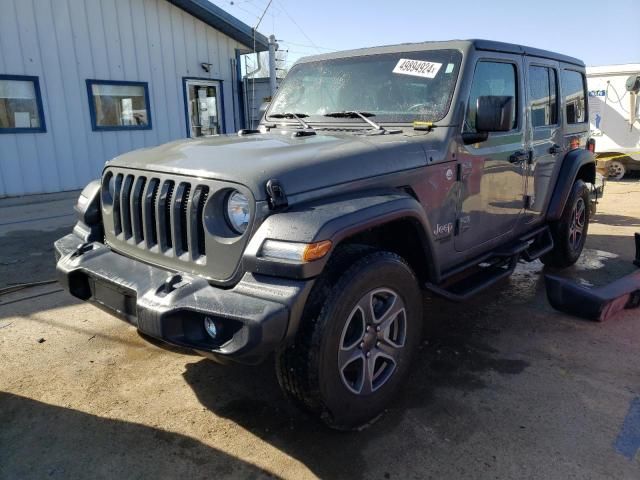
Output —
<point x="299" y="163"/>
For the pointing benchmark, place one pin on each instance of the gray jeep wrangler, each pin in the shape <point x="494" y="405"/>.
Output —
<point x="375" y="175"/>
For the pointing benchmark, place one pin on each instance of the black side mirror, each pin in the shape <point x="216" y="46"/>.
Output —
<point x="494" y="113"/>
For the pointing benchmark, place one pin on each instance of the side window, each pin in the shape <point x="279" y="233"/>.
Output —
<point x="574" y="91"/>
<point x="491" y="78"/>
<point x="542" y="96"/>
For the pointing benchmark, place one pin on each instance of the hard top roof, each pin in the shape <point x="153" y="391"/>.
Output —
<point x="463" y="45"/>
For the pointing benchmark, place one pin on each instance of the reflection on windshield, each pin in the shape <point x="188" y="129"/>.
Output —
<point x="398" y="87"/>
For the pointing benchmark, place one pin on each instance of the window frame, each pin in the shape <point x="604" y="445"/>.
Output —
<point x="559" y="93"/>
<point x="92" y="106"/>
<point x="585" y="90"/>
<point x="518" y="98"/>
<point x="36" y="88"/>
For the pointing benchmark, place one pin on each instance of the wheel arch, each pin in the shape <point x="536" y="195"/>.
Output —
<point x="578" y="164"/>
<point x="381" y="219"/>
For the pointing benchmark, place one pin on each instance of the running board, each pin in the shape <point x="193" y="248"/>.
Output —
<point x="542" y="243"/>
<point x="474" y="283"/>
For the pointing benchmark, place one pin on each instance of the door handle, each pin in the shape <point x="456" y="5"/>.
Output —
<point x="555" y="149"/>
<point x="520" y="156"/>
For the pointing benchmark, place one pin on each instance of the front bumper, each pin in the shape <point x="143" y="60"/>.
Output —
<point x="253" y="318"/>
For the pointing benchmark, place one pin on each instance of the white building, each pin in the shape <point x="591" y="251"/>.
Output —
<point x="82" y="81"/>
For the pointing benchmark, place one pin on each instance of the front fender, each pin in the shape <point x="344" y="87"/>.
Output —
<point x="333" y="219"/>
<point x="571" y="165"/>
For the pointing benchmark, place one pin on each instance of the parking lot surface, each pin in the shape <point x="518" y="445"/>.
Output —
<point x="502" y="387"/>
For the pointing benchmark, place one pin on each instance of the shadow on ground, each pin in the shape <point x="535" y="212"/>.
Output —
<point x="454" y="355"/>
<point x="51" y="442"/>
<point x="27" y="256"/>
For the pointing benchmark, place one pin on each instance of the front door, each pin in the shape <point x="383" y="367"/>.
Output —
<point x="203" y="98"/>
<point x="544" y="135"/>
<point x="492" y="172"/>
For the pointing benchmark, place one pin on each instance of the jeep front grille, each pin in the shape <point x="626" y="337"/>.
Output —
<point x="159" y="214"/>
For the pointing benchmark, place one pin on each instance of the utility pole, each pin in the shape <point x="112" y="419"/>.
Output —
<point x="273" y="46"/>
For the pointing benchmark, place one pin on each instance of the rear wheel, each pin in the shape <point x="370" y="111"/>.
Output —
<point x="360" y="327"/>
<point x="570" y="232"/>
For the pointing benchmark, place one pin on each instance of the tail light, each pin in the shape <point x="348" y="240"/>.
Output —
<point x="591" y="145"/>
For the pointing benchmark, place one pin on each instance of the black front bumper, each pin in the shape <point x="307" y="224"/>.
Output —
<point x="253" y="318"/>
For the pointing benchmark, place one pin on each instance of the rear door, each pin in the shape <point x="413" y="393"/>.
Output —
<point x="492" y="173"/>
<point x="543" y="136"/>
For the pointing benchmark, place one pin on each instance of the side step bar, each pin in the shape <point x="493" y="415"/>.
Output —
<point x="528" y="247"/>
<point x="474" y="283"/>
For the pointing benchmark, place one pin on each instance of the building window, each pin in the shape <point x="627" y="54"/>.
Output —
<point x="542" y="96"/>
<point x="574" y="89"/>
<point x="20" y="105"/>
<point x="119" y="105"/>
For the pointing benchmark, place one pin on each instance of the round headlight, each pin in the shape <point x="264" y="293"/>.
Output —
<point x="238" y="211"/>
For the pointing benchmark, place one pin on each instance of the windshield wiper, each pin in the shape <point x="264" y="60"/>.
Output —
<point x="356" y="114"/>
<point x="295" y="116"/>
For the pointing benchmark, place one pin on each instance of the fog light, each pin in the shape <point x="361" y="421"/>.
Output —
<point x="211" y="327"/>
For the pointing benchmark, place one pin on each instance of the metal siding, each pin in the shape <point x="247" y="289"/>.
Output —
<point x="65" y="42"/>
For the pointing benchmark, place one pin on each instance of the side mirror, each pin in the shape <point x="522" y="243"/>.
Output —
<point x="494" y="114"/>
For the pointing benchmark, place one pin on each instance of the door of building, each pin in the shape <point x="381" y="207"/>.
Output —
<point x="203" y="98"/>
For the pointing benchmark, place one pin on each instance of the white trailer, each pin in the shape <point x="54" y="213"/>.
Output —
<point x="615" y="117"/>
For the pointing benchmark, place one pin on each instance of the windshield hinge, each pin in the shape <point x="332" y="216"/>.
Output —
<point x="277" y="196"/>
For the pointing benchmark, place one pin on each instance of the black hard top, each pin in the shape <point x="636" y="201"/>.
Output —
<point x="463" y="45"/>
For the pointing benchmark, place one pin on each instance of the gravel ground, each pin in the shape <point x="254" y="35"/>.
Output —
<point x="502" y="387"/>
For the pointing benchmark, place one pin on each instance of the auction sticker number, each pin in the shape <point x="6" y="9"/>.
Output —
<point x="417" y="68"/>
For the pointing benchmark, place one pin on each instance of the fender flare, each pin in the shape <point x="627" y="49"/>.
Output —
<point x="571" y="165"/>
<point x="334" y="219"/>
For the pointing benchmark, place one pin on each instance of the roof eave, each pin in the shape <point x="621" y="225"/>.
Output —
<point x="217" y="18"/>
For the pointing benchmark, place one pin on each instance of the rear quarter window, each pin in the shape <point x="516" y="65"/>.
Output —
<point x="574" y="90"/>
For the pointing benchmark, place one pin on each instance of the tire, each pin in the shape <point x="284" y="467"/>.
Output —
<point x="570" y="232"/>
<point x="323" y="371"/>
<point x="616" y="170"/>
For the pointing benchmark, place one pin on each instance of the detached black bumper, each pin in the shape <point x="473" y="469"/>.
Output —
<point x="252" y="319"/>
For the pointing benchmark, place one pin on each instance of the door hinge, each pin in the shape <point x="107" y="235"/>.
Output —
<point x="464" y="170"/>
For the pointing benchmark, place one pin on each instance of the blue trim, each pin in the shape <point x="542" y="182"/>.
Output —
<point x="36" y="87"/>
<point x="92" y="107"/>
<point x="223" y="122"/>
<point x="220" y="20"/>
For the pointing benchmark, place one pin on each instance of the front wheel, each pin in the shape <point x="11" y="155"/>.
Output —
<point x="570" y="232"/>
<point x="360" y="328"/>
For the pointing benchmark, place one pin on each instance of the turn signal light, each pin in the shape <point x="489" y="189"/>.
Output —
<point x="315" y="251"/>
<point x="294" y="251"/>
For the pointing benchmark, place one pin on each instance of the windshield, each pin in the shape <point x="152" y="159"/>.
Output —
<point x="394" y="87"/>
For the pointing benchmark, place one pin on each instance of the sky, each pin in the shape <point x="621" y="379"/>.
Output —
<point x="600" y="32"/>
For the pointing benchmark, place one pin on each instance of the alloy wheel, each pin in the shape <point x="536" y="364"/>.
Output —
<point x="372" y="341"/>
<point x="578" y="221"/>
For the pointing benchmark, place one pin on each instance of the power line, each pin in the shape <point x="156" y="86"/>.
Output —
<point x="298" y="26"/>
<point x="307" y="46"/>
<point x="262" y="16"/>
